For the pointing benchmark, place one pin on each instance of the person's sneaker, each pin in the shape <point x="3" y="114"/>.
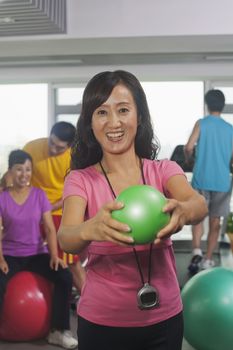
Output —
<point x="62" y="338"/>
<point x="195" y="263"/>
<point x="207" y="264"/>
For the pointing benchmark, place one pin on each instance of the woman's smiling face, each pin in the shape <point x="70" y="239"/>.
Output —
<point x="115" y="122"/>
<point x="21" y="174"/>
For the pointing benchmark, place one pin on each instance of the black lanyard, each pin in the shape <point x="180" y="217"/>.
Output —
<point x="134" y="250"/>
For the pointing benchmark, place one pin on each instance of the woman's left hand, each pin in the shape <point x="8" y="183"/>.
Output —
<point x="55" y="262"/>
<point x="187" y="207"/>
<point x="178" y="219"/>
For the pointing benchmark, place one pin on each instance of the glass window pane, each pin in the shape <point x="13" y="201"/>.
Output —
<point x="174" y="108"/>
<point x="70" y="118"/>
<point x="24" y="116"/>
<point x="227" y="117"/>
<point x="69" y="96"/>
<point x="228" y="92"/>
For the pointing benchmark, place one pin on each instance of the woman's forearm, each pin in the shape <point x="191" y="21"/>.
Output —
<point x="195" y="209"/>
<point x="1" y="252"/>
<point x="72" y="239"/>
<point x="52" y="242"/>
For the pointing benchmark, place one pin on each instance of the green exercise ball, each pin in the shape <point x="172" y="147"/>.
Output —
<point x="142" y="212"/>
<point x="208" y="310"/>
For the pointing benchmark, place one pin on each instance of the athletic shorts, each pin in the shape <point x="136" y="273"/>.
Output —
<point x="69" y="259"/>
<point x="218" y="202"/>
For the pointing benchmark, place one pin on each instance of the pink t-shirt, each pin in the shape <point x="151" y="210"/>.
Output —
<point x="109" y="296"/>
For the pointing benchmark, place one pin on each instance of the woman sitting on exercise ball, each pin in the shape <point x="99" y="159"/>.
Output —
<point x="22" y="208"/>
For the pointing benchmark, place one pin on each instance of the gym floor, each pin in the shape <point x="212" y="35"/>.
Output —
<point x="182" y="248"/>
<point x="42" y="344"/>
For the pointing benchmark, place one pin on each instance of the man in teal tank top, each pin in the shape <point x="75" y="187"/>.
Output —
<point x="213" y="138"/>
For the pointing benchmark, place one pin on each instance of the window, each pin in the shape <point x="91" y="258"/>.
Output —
<point x="69" y="118"/>
<point x="228" y="93"/>
<point x="174" y="108"/>
<point x="68" y="103"/>
<point x="69" y="96"/>
<point x="24" y="117"/>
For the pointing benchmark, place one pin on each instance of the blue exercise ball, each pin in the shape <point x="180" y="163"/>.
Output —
<point x="208" y="309"/>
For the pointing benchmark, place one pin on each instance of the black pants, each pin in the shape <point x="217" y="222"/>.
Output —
<point x="166" y="335"/>
<point x="62" y="280"/>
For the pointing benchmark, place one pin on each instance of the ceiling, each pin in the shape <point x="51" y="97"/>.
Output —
<point x="25" y="41"/>
<point x="32" y="17"/>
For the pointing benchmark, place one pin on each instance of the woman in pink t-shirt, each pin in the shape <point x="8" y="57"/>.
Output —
<point x="115" y="149"/>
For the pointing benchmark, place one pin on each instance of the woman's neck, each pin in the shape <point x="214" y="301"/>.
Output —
<point x="121" y="172"/>
<point x="19" y="190"/>
<point x="120" y="163"/>
<point x="20" y="194"/>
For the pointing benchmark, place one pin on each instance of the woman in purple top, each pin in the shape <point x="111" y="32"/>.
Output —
<point x="22" y="208"/>
<point x="131" y="298"/>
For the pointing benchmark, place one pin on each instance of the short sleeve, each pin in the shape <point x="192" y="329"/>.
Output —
<point x="45" y="204"/>
<point x="170" y="168"/>
<point x="160" y="171"/>
<point x="74" y="185"/>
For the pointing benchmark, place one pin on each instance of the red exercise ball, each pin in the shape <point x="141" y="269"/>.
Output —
<point x="26" y="309"/>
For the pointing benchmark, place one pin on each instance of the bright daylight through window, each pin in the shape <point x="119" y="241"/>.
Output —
<point x="24" y="117"/>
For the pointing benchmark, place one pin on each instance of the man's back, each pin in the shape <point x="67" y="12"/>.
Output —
<point x="213" y="155"/>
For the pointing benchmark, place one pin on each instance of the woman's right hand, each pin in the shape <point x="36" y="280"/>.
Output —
<point x="75" y="233"/>
<point x="4" y="266"/>
<point x="102" y="227"/>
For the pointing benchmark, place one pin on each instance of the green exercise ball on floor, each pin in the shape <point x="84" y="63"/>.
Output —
<point x="208" y="309"/>
<point x="142" y="212"/>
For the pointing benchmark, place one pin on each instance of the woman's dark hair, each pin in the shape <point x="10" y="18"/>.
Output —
<point x="18" y="156"/>
<point x="215" y="100"/>
<point x="64" y="131"/>
<point x="86" y="150"/>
